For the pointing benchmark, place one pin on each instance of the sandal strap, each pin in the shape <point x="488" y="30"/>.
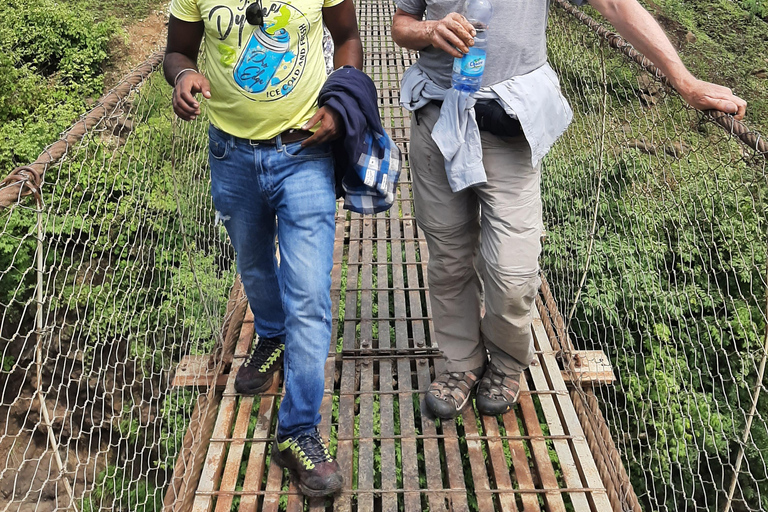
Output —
<point x="454" y="386"/>
<point x="497" y="385"/>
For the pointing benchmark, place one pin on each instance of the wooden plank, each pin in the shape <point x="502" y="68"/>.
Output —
<point x="543" y="465"/>
<point x="409" y="457"/>
<point x="345" y="447"/>
<point x="236" y="448"/>
<point x="254" y="473"/>
<point x="562" y="447"/>
<point x="432" y="464"/>
<point x="197" y="370"/>
<point x="326" y="408"/>
<point x="477" y="462"/>
<point x="588" y="368"/>
<point x="582" y="452"/>
<point x="499" y="463"/>
<point x="274" y="486"/>
<point x="386" y="400"/>
<point x="214" y="464"/>
<point x="365" y="444"/>
<point x="453" y="458"/>
<point x="522" y="470"/>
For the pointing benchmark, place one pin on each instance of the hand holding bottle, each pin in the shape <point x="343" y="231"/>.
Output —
<point x="468" y="68"/>
<point x="452" y="34"/>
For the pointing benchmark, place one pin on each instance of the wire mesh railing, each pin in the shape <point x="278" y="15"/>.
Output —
<point x="110" y="274"/>
<point x="656" y="253"/>
<point x="114" y="268"/>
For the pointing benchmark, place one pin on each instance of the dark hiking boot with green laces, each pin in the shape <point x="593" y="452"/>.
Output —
<point x="450" y="392"/>
<point x="311" y="466"/>
<point x="498" y="391"/>
<point x="255" y="375"/>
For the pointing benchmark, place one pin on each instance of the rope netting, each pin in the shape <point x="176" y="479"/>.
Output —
<point x="114" y="269"/>
<point x="110" y="274"/>
<point x="656" y="254"/>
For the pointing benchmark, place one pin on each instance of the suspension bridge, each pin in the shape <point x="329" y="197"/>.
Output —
<point x="124" y="323"/>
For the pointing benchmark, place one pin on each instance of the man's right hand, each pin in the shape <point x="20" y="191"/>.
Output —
<point x="184" y="103"/>
<point x="452" y="34"/>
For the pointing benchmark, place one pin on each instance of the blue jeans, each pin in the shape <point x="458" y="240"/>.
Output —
<point x="261" y="190"/>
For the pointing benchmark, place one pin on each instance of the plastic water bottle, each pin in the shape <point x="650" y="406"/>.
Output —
<point x="468" y="70"/>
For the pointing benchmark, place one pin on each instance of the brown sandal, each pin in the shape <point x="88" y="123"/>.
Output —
<point x="497" y="392"/>
<point x="450" y="392"/>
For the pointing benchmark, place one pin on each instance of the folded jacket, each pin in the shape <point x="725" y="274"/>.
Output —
<point x="367" y="160"/>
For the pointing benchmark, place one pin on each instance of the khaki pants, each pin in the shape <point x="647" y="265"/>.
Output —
<point x="484" y="243"/>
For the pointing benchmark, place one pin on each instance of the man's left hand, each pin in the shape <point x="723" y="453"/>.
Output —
<point x="330" y="127"/>
<point x="705" y="95"/>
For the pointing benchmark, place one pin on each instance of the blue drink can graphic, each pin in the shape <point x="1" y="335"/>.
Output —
<point x="260" y="59"/>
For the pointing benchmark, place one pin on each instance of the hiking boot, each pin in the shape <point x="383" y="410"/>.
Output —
<point x="312" y="467"/>
<point x="449" y="393"/>
<point x="498" y="391"/>
<point x="255" y="375"/>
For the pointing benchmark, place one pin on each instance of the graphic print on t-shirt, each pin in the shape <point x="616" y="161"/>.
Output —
<point x="273" y="57"/>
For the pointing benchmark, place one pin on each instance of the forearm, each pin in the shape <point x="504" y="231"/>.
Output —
<point x="411" y="33"/>
<point x="348" y="53"/>
<point x="174" y="63"/>
<point x="639" y="28"/>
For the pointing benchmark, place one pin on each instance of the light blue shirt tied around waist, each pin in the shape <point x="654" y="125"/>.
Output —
<point x="534" y="98"/>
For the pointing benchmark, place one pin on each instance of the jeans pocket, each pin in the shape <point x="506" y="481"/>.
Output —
<point x="218" y="147"/>
<point x="296" y="150"/>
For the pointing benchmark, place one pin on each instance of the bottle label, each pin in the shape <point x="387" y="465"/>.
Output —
<point x="472" y="64"/>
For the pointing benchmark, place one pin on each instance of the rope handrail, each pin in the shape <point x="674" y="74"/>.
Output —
<point x="751" y="138"/>
<point x="28" y="179"/>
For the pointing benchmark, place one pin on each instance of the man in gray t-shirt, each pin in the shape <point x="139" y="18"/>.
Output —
<point x="501" y="218"/>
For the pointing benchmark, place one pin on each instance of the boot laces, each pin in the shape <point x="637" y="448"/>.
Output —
<point x="313" y="447"/>
<point x="264" y="351"/>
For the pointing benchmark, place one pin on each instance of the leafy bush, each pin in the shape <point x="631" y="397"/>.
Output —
<point x="674" y="296"/>
<point x="51" y="57"/>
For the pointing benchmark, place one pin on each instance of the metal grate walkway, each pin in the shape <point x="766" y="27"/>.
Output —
<point x="393" y="456"/>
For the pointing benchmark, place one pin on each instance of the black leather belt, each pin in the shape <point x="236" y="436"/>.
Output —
<point x="288" y="136"/>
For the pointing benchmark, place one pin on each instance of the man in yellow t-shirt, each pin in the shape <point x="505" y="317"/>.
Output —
<point x="272" y="175"/>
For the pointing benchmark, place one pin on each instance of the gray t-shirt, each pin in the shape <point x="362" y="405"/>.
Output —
<point x="517" y="40"/>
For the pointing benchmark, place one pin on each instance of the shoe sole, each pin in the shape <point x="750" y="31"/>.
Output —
<point x="306" y="491"/>
<point x="254" y="391"/>
<point x="485" y="412"/>
<point x="450" y="416"/>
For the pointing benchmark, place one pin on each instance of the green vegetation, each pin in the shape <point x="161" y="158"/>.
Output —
<point x="675" y="288"/>
<point x="51" y="56"/>
<point x="674" y="291"/>
<point x="126" y="276"/>
<point x="114" y="486"/>
<point x="758" y="8"/>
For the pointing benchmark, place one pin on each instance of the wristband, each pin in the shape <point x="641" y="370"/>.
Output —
<point x="176" y="80"/>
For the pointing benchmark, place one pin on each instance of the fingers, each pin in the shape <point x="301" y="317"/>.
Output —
<point x="202" y="85"/>
<point x="454" y="35"/>
<point x="730" y="104"/>
<point x="741" y="108"/>
<point x="466" y="24"/>
<point x="450" y="42"/>
<point x="184" y="103"/>
<point x="704" y="96"/>
<point x="328" y="128"/>
<point x="314" y="119"/>
<point x="323" y="134"/>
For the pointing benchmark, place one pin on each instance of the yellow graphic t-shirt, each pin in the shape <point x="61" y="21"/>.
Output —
<point x="264" y="80"/>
